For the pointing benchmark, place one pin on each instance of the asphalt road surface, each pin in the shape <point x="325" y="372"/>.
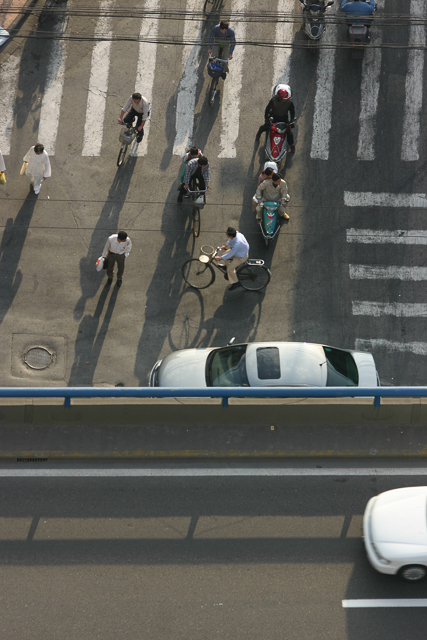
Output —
<point x="196" y="556"/>
<point x="347" y="270"/>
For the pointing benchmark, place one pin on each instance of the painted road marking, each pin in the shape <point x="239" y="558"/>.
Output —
<point x="98" y="85"/>
<point x="146" y="67"/>
<point x="230" y="111"/>
<point x="370" y="199"/>
<point x="282" y="55"/>
<point x="322" y="119"/>
<point x="398" y="309"/>
<point x="369" y="91"/>
<point x="52" y="97"/>
<point x="186" y="100"/>
<point x="419" y="348"/>
<point x="414" y="86"/>
<point x="209" y="472"/>
<point x="401" y="236"/>
<point x="9" y="71"/>
<point x="375" y="604"/>
<point x="366" y="272"/>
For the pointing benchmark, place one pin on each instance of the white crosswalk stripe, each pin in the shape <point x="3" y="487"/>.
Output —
<point x="401" y="236"/>
<point x="9" y="71"/>
<point x="186" y="100"/>
<point x="282" y="55"/>
<point x="98" y="86"/>
<point x="232" y="91"/>
<point x="147" y="68"/>
<point x="414" y="87"/>
<point x="52" y="97"/>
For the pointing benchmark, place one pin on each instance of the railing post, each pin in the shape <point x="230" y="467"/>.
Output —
<point x="225" y="402"/>
<point x="67" y="402"/>
<point x="377" y="401"/>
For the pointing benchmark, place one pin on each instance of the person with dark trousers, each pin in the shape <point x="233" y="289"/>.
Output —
<point x="196" y="169"/>
<point x="117" y="248"/>
<point x="279" y="109"/>
<point x="136" y="107"/>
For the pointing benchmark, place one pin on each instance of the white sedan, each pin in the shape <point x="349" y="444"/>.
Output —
<point x="395" y="532"/>
<point x="266" y="364"/>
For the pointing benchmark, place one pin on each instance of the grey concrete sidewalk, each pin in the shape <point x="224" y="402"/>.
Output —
<point x="11" y="12"/>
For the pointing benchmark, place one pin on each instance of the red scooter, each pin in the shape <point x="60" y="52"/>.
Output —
<point x="276" y="147"/>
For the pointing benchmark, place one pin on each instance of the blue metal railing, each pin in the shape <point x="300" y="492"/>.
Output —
<point x="213" y="392"/>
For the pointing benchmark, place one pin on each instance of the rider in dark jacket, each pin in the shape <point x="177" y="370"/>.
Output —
<point x="279" y="108"/>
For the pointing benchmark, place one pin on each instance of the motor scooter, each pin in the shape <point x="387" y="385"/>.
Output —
<point x="313" y="16"/>
<point x="276" y="147"/>
<point x="269" y="223"/>
<point x="358" y="17"/>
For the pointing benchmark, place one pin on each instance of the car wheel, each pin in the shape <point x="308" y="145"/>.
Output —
<point x="413" y="572"/>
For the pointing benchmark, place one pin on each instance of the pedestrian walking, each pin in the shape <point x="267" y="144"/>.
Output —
<point x="2" y="170"/>
<point x="117" y="249"/>
<point x="38" y="166"/>
<point x="238" y="252"/>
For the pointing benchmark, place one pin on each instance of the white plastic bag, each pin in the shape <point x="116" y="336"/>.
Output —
<point x="100" y="264"/>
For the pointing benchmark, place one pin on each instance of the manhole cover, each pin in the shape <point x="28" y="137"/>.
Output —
<point x="38" y="358"/>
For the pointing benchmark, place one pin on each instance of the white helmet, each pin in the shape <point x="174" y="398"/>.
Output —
<point x="282" y="87"/>
<point x="271" y="165"/>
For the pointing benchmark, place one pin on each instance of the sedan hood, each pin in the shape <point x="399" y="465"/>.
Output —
<point x="186" y="368"/>
<point x="399" y="516"/>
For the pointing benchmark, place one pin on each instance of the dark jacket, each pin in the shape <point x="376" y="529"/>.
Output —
<point x="279" y="110"/>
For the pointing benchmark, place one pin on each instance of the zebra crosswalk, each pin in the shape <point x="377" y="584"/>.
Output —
<point x="148" y="80"/>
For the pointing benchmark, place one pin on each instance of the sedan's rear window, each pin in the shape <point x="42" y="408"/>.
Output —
<point x="268" y="363"/>
<point x="342" y="369"/>
<point x="227" y="367"/>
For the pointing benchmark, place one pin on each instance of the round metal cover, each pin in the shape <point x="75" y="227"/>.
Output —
<point x="38" y="358"/>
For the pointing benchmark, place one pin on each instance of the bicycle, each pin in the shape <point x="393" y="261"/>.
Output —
<point x="216" y="6"/>
<point x="216" y="71"/>
<point x="199" y="273"/>
<point x="198" y="201"/>
<point x="126" y="138"/>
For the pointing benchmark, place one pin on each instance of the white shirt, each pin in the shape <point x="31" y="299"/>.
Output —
<point x="2" y="164"/>
<point x="142" y="107"/>
<point x="38" y="164"/>
<point x="115" y="246"/>
<point x="239" y="247"/>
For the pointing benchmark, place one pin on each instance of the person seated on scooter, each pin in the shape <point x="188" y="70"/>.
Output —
<point x="222" y="36"/>
<point x="196" y="169"/>
<point x="138" y="107"/>
<point x="264" y="175"/>
<point x="279" y="109"/>
<point x="273" y="189"/>
<point x="358" y="7"/>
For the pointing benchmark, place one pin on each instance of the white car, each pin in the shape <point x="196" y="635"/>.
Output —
<point x="266" y="364"/>
<point x="4" y="35"/>
<point x="395" y="532"/>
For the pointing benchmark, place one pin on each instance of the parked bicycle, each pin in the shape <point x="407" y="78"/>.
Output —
<point x="126" y="138"/>
<point x="199" y="273"/>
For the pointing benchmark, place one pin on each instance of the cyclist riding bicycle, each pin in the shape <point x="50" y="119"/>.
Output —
<point x="222" y="37"/>
<point x="190" y="154"/>
<point x="136" y="107"/>
<point x="196" y="169"/>
<point x="238" y="252"/>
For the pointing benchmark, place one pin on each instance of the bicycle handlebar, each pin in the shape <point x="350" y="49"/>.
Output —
<point x="198" y="191"/>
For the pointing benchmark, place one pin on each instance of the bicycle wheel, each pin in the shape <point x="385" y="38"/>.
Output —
<point x="196" y="222"/>
<point x="196" y="274"/>
<point x="253" y="277"/>
<point x="205" y="6"/>
<point x="212" y="91"/>
<point x="122" y="153"/>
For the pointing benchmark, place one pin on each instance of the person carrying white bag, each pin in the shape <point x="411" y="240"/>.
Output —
<point x="36" y="166"/>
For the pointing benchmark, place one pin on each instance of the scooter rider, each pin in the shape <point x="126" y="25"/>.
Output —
<point x="279" y="108"/>
<point x="272" y="190"/>
<point x="197" y="168"/>
<point x="222" y="36"/>
<point x="358" y="7"/>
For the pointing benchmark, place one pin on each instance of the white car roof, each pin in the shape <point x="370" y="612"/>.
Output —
<point x="301" y="364"/>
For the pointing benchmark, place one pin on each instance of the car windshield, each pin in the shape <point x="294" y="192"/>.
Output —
<point x="227" y="367"/>
<point x="342" y="369"/>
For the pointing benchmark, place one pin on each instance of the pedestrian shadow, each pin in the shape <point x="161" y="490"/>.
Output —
<point x="90" y="340"/>
<point x="11" y="246"/>
<point x="107" y="224"/>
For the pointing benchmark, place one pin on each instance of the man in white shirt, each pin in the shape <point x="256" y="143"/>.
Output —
<point x="117" y="248"/>
<point x="238" y="252"/>
<point x="136" y="107"/>
<point x="38" y="166"/>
